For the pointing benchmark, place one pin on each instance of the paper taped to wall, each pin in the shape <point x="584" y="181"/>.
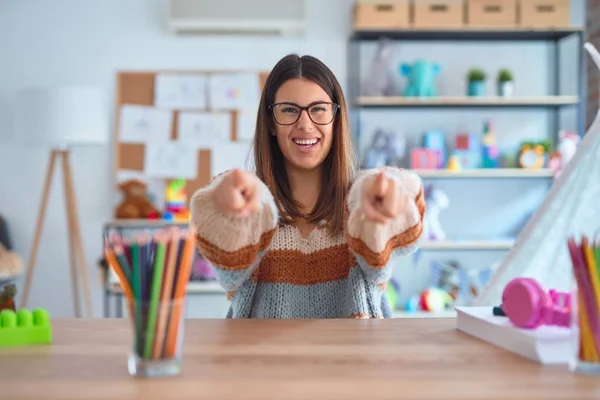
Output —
<point x="246" y="124"/>
<point x="230" y="156"/>
<point x="234" y="91"/>
<point x="180" y="91"/>
<point x="143" y="124"/>
<point x="204" y="130"/>
<point x="170" y="159"/>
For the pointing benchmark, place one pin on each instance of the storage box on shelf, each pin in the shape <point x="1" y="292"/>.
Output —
<point x="438" y="14"/>
<point x="382" y="14"/>
<point x="491" y="13"/>
<point x="544" y="13"/>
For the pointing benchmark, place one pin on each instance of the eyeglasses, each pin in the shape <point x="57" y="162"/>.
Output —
<point x="320" y="113"/>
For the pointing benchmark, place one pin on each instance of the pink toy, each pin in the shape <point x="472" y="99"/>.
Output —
<point x="528" y="305"/>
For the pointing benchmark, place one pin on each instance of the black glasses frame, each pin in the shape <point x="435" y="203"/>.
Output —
<point x="335" y="107"/>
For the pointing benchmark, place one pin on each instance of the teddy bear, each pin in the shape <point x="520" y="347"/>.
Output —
<point x="135" y="203"/>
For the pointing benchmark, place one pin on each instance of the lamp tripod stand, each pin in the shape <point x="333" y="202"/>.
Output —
<point x="76" y="253"/>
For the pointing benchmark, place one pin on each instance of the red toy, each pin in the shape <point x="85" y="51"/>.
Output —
<point x="7" y="298"/>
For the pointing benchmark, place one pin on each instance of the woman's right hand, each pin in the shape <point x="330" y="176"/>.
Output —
<point x="238" y="194"/>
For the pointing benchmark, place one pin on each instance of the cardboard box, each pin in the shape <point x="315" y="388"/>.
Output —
<point x="439" y="14"/>
<point x="544" y="13"/>
<point x="492" y="13"/>
<point x="382" y="14"/>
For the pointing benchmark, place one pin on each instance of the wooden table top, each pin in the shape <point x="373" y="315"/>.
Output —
<point x="286" y="359"/>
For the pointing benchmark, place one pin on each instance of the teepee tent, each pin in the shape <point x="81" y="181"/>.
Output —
<point x="571" y="208"/>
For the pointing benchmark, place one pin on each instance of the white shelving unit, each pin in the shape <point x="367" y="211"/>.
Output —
<point x="467" y="245"/>
<point x="554" y="103"/>
<point x="464" y="101"/>
<point x="487" y="173"/>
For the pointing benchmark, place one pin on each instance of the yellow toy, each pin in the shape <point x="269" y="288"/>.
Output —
<point x="454" y="164"/>
<point x="176" y="202"/>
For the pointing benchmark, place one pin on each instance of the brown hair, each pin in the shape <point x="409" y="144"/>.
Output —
<point x="339" y="165"/>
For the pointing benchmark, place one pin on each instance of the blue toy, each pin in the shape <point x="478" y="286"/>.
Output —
<point x="421" y="75"/>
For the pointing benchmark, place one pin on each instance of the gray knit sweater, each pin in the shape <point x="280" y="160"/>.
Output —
<point x="270" y="271"/>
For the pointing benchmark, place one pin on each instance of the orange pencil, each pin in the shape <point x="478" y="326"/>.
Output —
<point x="182" y="280"/>
<point x="112" y="261"/>
<point x="167" y="288"/>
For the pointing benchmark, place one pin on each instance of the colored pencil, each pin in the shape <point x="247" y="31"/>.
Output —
<point x="154" y="271"/>
<point x="181" y="282"/>
<point x="585" y="260"/>
<point x="166" y="295"/>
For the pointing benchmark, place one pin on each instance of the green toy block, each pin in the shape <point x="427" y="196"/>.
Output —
<point x="25" y="327"/>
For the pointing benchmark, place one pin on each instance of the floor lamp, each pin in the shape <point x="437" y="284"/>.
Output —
<point x="60" y="119"/>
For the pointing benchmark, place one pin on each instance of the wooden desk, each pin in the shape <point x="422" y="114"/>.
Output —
<point x="279" y="359"/>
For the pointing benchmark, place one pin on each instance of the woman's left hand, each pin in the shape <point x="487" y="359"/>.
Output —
<point x="383" y="198"/>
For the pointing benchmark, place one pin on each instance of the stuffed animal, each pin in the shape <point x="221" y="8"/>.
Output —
<point x="436" y="201"/>
<point x="379" y="80"/>
<point x="421" y="78"/>
<point x="135" y="203"/>
<point x="567" y="147"/>
<point x="7" y="298"/>
<point x="385" y="149"/>
<point x="11" y="264"/>
<point x="176" y="202"/>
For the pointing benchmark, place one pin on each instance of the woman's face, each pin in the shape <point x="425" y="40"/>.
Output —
<point x="304" y="140"/>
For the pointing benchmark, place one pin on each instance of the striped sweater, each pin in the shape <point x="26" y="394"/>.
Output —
<point x="270" y="271"/>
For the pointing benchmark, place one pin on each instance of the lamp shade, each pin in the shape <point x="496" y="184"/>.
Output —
<point x="61" y="116"/>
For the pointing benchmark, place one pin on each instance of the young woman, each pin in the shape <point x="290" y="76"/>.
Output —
<point x="305" y="237"/>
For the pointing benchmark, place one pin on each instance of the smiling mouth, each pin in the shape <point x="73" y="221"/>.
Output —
<point x="306" y="143"/>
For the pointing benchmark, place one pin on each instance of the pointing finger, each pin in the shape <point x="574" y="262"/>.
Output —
<point x="381" y="185"/>
<point x="371" y="213"/>
<point x="390" y="202"/>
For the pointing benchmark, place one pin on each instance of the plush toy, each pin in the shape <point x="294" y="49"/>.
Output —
<point x="11" y="264"/>
<point x="567" y="146"/>
<point x="385" y="149"/>
<point x="7" y="298"/>
<point x="202" y="270"/>
<point x="135" y="203"/>
<point x="379" y="79"/>
<point x="421" y="78"/>
<point x="176" y="202"/>
<point x="436" y="201"/>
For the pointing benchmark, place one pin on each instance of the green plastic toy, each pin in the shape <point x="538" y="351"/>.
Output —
<point x="25" y="327"/>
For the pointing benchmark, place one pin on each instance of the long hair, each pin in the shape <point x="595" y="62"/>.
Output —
<point x="339" y="167"/>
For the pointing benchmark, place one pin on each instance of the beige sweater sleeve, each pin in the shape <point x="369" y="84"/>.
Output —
<point x="232" y="245"/>
<point x="374" y="244"/>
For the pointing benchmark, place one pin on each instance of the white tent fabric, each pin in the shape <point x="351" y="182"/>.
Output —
<point x="571" y="208"/>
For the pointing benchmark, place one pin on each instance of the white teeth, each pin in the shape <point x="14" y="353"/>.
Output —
<point x="306" y="142"/>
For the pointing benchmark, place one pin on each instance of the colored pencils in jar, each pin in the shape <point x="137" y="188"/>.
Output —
<point x="154" y="271"/>
<point x="585" y="258"/>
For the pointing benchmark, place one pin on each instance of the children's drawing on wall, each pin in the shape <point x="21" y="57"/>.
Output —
<point x="234" y="91"/>
<point x="180" y="91"/>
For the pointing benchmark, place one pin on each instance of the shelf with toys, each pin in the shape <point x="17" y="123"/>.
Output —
<point x="420" y="105"/>
<point x="485" y="173"/>
<point x="491" y="244"/>
<point x="468" y="34"/>
<point x="468" y="101"/>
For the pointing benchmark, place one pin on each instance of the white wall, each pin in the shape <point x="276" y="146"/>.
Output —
<point x="87" y="42"/>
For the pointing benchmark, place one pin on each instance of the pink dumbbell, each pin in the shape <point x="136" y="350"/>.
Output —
<point x="527" y="305"/>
